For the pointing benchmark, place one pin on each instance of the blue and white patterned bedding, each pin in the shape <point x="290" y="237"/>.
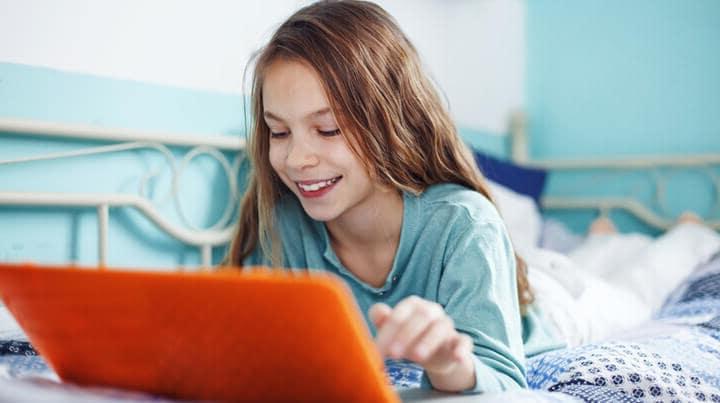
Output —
<point x="675" y="358"/>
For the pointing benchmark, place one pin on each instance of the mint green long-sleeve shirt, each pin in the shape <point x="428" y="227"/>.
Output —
<point x="454" y="250"/>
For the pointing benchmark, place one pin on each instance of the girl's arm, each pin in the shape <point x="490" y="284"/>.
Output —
<point x="479" y="301"/>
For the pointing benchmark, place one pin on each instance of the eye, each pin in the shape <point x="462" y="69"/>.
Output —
<point x="329" y="133"/>
<point x="278" y="135"/>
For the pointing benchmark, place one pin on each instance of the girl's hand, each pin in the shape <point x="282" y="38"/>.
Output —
<point x="421" y="331"/>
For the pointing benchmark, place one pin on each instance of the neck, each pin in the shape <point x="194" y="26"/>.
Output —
<point x="375" y="222"/>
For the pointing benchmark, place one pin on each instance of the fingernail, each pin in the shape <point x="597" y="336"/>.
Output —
<point x="395" y="349"/>
<point x="421" y="352"/>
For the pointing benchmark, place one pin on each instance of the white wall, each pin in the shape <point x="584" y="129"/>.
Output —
<point x="195" y="44"/>
<point x="485" y="77"/>
<point x="474" y="49"/>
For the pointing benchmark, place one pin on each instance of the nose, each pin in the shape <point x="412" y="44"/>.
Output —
<point x="300" y="153"/>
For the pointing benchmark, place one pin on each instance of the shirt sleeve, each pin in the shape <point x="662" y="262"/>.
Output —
<point x="478" y="290"/>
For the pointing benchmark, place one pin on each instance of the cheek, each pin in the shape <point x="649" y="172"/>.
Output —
<point x="277" y="160"/>
<point x="356" y="169"/>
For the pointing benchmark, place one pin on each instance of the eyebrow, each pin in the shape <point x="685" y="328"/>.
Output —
<point x="316" y="114"/>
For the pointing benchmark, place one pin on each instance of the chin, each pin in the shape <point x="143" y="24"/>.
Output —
<point x="319" y="213"/>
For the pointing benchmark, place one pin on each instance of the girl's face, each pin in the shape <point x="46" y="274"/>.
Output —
<point x="307" y="150"/>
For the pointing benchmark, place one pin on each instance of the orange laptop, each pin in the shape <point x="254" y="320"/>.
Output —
<point x="228" y="335"/>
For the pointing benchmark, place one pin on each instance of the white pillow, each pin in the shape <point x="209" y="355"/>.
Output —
<point x="521" y="215"/>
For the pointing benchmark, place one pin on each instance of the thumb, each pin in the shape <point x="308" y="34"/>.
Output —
<point x="379" y="313"/>
<point x="462" y="346"/>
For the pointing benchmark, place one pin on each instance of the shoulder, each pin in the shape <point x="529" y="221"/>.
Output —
<point x="458" y="218"/>
<point x="456" y="200"/>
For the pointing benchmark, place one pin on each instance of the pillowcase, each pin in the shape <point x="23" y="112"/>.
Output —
<point x="523" y="180"/>
<point x="521" y="216"/>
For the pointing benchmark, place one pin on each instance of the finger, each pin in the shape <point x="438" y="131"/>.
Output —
<point x="378" y="314"/>
<point x="406" y="335"/>
<point x="430" y="342"/>
<point x="395" y="321"/>
<point x="424" y="315"/>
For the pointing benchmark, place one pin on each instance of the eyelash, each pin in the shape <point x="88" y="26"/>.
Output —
<point x="329" y="133"/>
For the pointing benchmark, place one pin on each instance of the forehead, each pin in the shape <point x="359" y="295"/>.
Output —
<point x="292" y="89"/>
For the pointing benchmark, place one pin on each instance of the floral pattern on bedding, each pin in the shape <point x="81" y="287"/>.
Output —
<point x="682" y="366"/>
<point x="16" y="347"/>
<point x="403" y="374"/>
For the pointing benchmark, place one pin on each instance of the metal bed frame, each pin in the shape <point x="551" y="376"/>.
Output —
<point x="519" y="154"/>
<point x="124" y="140"/>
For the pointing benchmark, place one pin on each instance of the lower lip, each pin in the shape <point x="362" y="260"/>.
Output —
<point x="319" y="192"/>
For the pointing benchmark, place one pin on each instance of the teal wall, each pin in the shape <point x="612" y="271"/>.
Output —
<point x="496" y="144"/>
<point x="70" y="235"/>
<point x="616" y="78"/>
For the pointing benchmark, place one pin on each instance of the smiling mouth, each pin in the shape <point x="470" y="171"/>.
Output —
<point x="317" y="186"/>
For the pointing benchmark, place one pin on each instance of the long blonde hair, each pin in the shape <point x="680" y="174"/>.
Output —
<point x="394" y="119"/>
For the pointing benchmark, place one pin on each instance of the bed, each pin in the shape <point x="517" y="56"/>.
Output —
<point x="674" y="355"/>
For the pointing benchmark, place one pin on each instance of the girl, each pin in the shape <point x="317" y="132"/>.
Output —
<point x="358" y="170"/>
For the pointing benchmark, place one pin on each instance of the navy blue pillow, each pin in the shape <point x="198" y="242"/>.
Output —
<point x="527" y="181"/>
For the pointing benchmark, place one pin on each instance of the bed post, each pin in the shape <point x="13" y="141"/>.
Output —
<point x="103" y="222"/>
<point x="518" y="137"/>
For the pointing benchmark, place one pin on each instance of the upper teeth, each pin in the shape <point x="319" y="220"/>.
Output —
<point x="318" y="185"/>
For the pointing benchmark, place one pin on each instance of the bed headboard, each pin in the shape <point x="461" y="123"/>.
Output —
<point x="649" y="164"/>
<point x="118" y="140"/>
